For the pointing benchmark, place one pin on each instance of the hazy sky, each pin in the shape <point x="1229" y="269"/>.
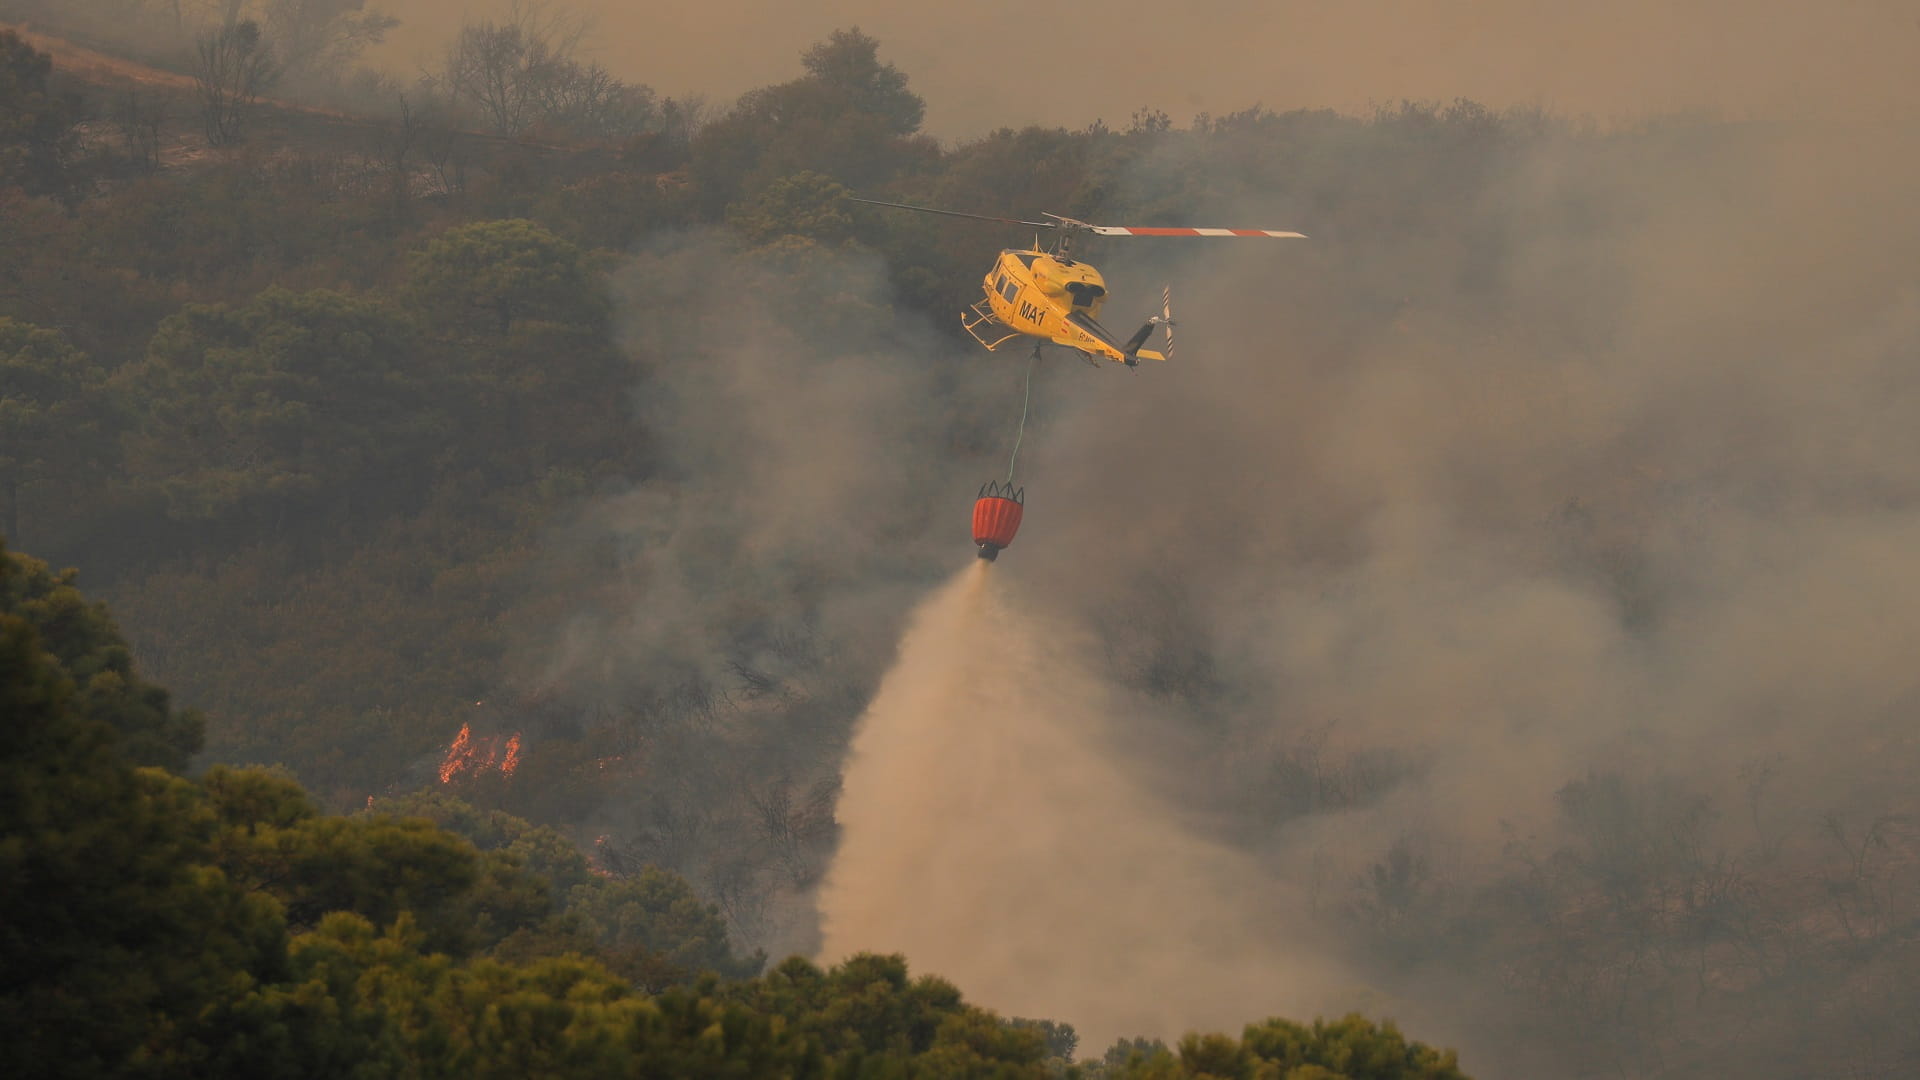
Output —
<point x="999" y="62"/>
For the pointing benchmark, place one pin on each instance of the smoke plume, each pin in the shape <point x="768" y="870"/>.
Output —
<point x="1497" y="613"/>
<point x="1507" y="592"/>
<point x="1520" y="599"/>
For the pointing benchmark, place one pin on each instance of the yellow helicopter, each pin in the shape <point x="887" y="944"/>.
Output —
<point x="1053" y="299"/>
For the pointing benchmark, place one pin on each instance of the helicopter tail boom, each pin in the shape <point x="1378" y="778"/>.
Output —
<point x="1131" y="351"/>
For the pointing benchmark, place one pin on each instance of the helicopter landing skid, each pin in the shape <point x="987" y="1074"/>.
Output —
<point x="980" y="315"/>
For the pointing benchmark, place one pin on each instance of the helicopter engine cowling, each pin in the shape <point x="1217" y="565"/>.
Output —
<point x="1075" y="282"/>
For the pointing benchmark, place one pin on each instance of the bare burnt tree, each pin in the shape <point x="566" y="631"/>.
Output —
<point x="587" y="100"/>
<point x="442" y="146"/>
<point x="139" y="119"/>
<point x="682" y="117"/>
<point x="233" y="66"/>
<point x="495" y="67"/>
<point x="520" y="75"/>
<point x="798" y="833"/>
<point x="323" y="37"/>
<point x="393" y="144"/>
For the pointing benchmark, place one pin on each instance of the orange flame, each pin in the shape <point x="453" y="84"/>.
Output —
<point x="458" y="755"/>
<point x="470" y="755"/>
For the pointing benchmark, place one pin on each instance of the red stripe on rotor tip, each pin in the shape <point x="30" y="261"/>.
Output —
<point x="1164" y="231"/>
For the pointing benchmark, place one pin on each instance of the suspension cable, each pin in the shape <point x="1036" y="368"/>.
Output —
<point x="1024" y="403"/>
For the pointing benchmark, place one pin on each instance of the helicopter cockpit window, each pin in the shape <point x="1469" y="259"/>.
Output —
<point x="1084" y="292"/>
<point x="1009" y="290"/>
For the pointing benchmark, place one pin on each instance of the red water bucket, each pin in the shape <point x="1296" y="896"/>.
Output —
<point x="996" y="517"/>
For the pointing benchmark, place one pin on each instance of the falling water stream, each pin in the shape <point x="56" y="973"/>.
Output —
<point x="989" y="835"/>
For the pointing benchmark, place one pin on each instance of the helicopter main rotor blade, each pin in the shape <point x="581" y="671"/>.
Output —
<point x="954" y="213"/>
<point x="1073" y="225"/>
<point x="1149" y="230"/>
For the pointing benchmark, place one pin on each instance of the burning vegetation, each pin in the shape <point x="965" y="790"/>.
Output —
<point x="471" y="755"/>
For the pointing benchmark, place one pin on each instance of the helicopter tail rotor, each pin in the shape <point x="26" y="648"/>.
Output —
<point x="1165" y="320"/>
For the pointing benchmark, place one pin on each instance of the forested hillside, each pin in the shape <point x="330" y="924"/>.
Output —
<point x="159" y="925"/>
<point x="540" y="470"/>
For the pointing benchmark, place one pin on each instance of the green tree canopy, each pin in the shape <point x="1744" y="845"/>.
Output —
<point x="520" y="322"/>
<point x="806" y="205"/>
<point x="850" y="117"/>
<point x="870" y="1008"/>
<point x="56" y="420"/>
<point x="290" y="398"/>
<point x="272" y="839"/>
<point x="1351" y="1048"/>
<point x="115" y="930"/>
<point x="650" y="926"/>
<point x="542" y="850"/>
<point x="847" y="71"/>
<point x="80" y="639"/>
<point x="501" y="272"/>
<point x="654" y="923"/>
<point x="37" y="127"/>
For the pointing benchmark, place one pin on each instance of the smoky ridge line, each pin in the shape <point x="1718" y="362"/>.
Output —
<point x="1611" y="61"/>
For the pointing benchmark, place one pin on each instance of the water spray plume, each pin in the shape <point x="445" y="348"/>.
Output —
<point x="989" y="836"/>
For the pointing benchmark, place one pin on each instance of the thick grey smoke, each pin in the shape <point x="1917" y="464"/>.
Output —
<point x="813" y="462"/>
<point x="1632" y="510"/>
<point x="1528" y="614"/>
<point x="1516" y="577"/>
